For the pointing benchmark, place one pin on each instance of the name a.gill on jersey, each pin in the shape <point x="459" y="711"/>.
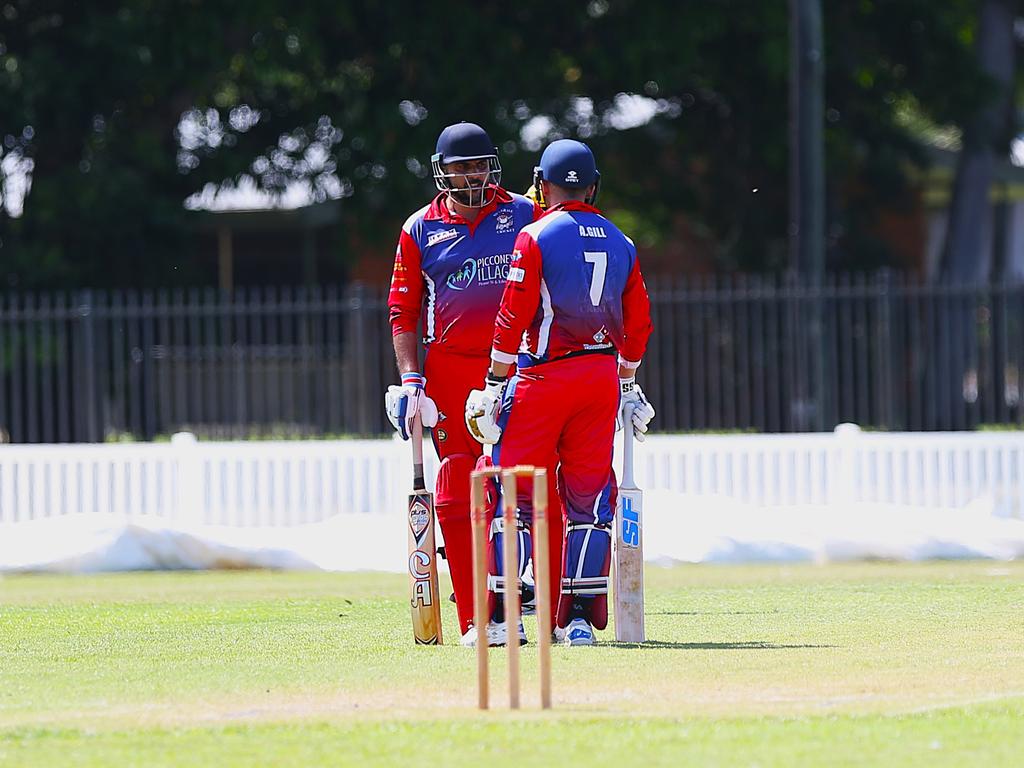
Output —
<point x="592" y="231"/>
<point x="439" y="237"/>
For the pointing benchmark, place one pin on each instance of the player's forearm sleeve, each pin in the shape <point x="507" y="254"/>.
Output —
<point x="519" y="301"/>
<point x="636" y="318"/>
<point x="405" y="298"/>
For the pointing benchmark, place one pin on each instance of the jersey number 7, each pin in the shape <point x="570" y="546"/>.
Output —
<point x="600" y="261"/>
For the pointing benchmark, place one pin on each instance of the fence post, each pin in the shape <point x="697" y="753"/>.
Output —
<point x="841" y="468"/>
<point x="86" y="376"/>
<point x="190" y="486"/>
<point x="357" y="314"/>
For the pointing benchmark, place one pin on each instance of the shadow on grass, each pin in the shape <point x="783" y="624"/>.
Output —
<point x="711" y="613"/>
<point x="738" y="646"/>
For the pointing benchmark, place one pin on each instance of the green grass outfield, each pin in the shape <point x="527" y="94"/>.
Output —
<point x="842" y="665"/>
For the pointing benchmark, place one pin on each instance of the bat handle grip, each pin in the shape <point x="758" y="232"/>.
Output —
<point x="418" y="482"/>
<point x="627" y="446"/>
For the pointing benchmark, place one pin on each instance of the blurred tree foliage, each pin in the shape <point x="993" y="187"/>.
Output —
<point x="125" y="109"/>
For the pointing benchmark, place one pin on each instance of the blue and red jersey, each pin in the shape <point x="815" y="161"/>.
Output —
<point x="574" y="287"/>
<point x="450" y="272"/>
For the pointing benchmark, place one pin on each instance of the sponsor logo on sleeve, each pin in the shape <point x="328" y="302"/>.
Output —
<point x="516" y="275"/>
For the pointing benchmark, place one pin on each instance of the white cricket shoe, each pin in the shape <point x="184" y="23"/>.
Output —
<point x="497" y="635"/>
<point x="579" y="632"/>
<point x="469" y="639"/>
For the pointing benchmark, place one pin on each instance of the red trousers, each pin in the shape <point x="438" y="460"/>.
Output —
<point x="563" y="413"/>
<point x="450" y="377"/>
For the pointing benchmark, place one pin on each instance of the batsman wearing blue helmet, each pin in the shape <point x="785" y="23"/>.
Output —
<point x="449" y="272"/>
<point x="574" y="320"/>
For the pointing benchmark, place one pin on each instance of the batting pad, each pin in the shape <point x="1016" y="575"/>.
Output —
<point x="496" y="571"/>
<point x="588" y="550"/>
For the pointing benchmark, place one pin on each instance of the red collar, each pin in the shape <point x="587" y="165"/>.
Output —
<point x="439" y="209"/>
<point x="572" y="205"/>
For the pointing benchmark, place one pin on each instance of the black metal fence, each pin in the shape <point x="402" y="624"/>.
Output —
<point x="262" y="362"/>
<point x="734" y="353"/>
<point x="883" y="351"/>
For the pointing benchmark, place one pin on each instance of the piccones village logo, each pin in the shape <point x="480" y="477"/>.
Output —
<point x="486" y="270"/>
<point x="461" y="278"/>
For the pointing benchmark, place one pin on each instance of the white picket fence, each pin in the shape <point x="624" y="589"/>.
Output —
<point x="913" y="469"/>
<point x="246" y="484"/>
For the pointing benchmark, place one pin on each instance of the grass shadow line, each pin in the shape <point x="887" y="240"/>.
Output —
<point x="712" y="646"/>
<point x="711" y="613"/>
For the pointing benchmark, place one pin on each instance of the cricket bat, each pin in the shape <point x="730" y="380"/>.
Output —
<point x="426" y="602"/>
<point x="629" y="547"/>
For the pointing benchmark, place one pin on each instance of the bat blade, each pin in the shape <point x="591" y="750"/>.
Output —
<point x="629" y="567"/>
<point x="425" y="602"/>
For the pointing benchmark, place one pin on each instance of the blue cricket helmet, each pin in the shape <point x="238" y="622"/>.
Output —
<point x="464" y="141"/>
<point x="458" y="143"/>
<point x="568" y="164"/>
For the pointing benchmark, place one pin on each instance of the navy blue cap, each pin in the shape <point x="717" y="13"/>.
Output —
<point x="568" y="163"/>
<point x="464" y="141"/>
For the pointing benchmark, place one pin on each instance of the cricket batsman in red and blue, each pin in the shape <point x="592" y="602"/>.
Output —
<point x="450" y="268"/>
<point x="574" y="320"/>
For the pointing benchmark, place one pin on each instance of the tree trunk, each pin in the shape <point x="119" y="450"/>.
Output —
<point x="965" y="259"/>
<point x="808" y="406"/>
<point x="986" y="137"/>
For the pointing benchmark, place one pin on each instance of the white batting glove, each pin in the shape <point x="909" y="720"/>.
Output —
<point x="631" y="397"/>
<point x="482" y="409"/>
<point x="404" y="402"/>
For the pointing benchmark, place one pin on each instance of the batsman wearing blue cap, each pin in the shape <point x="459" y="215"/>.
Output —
<point x="575" y="320"/>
